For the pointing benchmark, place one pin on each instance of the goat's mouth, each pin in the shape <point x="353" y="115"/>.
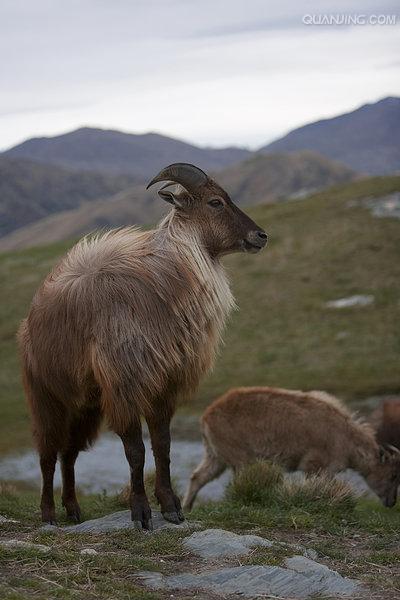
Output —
<point x="251" y="247"/>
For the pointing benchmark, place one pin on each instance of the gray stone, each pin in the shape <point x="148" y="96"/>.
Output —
<point x="19" y="544"/>
<point x="331" y="582"/>
<point x="387" y="206"/>
<point x="6" y="520"/>
<point x="121" y="520"/>
<point x="89" y="552"/>
<point x="217" y="543"/>
<point x="357" y="300"/>
<point x="257" y="581"/>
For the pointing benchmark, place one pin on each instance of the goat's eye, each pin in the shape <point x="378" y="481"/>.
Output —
<point x="216" y="203"/>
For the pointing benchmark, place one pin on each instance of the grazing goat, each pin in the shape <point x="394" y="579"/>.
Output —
<point x="386" y="422"/>
<point x="124" y="326"/>
<point x="310" y="432"/>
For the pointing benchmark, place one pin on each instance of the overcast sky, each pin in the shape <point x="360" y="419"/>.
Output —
<point x="214" y="72"/>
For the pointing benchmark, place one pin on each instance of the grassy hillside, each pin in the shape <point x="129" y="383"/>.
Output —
<point x="322" y="248"/>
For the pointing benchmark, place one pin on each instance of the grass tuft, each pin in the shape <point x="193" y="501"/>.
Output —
<point x="320" y="489"/>
<point x="256" y="483"/>
<point x="262" y="484"/>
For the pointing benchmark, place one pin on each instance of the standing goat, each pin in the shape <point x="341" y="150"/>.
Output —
<point x="124" y="326"/>
<point x="310" y="432"/>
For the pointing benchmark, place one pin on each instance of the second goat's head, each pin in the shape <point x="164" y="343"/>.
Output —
<point x="222" y="227"/>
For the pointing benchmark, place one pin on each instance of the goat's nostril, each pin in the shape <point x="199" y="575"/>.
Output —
<point x="262" y="235"/>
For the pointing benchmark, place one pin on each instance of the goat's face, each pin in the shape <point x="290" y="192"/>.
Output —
<point x="384" y="478"/>
<point x="221" y="225"/>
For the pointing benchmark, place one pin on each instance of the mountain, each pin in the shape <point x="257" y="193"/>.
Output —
<point x="259" y="179"/>
<point x="30" y="191"/>
<point x="116" y="152"/>
<point x="264" y="178"/>
<point x="366" y="139"/>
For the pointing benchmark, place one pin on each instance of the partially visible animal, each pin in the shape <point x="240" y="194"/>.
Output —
<point x="386" y="421"/>
<point x="123" y="327"/>
<point x="311" y="432"/>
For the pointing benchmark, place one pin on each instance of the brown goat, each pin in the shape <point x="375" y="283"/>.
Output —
<point x="310" y="432"/>
<point x="124" y="326"/>
<point x="386" y="422"/>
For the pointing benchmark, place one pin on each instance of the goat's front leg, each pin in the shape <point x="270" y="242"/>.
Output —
<point x="161" y="443"/>
<point x="135" y="454"/>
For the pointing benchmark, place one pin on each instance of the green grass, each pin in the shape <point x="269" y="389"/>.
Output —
<point x="321" y="248"/>
<point x="358" y="539"/>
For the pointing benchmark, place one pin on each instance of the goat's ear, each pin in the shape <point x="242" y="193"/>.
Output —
<point x="175" y="195"/>
<point x="393" y="450"/>
<point x="170" y="197"/>
<point x="383" y="455"/>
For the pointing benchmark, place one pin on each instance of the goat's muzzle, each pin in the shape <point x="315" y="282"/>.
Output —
<point x="254" y="241"/>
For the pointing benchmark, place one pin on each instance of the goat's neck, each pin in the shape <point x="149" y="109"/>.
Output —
<point x="178" y="234"/>
<point x="364" y="450"/>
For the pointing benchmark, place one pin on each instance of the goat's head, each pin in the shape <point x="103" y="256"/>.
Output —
<point x="384" y="477"/>
<point x="222" y="226"/>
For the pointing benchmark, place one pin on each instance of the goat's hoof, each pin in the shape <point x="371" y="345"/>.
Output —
<point x="51" y="522"/>
<point x="145" y="525"/>
<point x="74" y="518"/>
<point x="174" y="517"/>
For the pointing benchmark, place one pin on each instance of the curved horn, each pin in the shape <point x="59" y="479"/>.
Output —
<point x="188" y="175"/>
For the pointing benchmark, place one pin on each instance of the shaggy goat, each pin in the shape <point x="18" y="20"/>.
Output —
<point x="124" y="326"/>
<point x="311" y="432"/>
<point x="386" y="422"/>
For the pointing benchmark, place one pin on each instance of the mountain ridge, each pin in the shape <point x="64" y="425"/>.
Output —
<point x="366" y="139"/>
<point x="117" y="152"/>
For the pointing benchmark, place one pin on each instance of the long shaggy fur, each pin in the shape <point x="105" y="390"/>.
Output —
<point x="129" y="321"/>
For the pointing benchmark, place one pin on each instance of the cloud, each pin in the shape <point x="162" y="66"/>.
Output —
<point x="215" y="72"/>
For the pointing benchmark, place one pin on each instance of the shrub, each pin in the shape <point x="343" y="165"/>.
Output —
<point x="256" y="483"/>
<point x="316" y="492"/>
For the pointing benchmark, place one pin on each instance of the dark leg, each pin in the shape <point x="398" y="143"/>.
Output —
<point x="48" y="461"/>
<point x="82" y="432"/>
<point x="69" y="500"/>
<point x="134" y="451"/>
<point x="161" y="442"/>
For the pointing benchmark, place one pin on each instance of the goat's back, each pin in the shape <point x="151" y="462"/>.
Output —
<point x="248" y="423"/>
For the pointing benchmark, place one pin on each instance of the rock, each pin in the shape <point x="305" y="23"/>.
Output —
<point x="19" y="544"/>
<point x="358" y="300"/>
<point x="387" y="206"/>
<point x="6" y="520"/>
<point x="217" y="543"/>
<point x="121" y="520"/>
<point x="89" y="552"/>
<point x="260" y="581"/>
<point x="330" y="581"/>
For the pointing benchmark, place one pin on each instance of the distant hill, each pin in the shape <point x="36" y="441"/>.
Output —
<point x="116" y="152"/>
<point x="259" y="179"/>
<point x="30" y="191"/>
<point x="366" y="139"/>
<point x="265" y="178"/>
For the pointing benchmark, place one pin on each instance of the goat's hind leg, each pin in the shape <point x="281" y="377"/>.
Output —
<point x="159" y="428"/>
<point x="210" y="467"/>
<point x="135" y="454"/>
<point x="50" y="430"/>
<point x="82" y="432"/>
